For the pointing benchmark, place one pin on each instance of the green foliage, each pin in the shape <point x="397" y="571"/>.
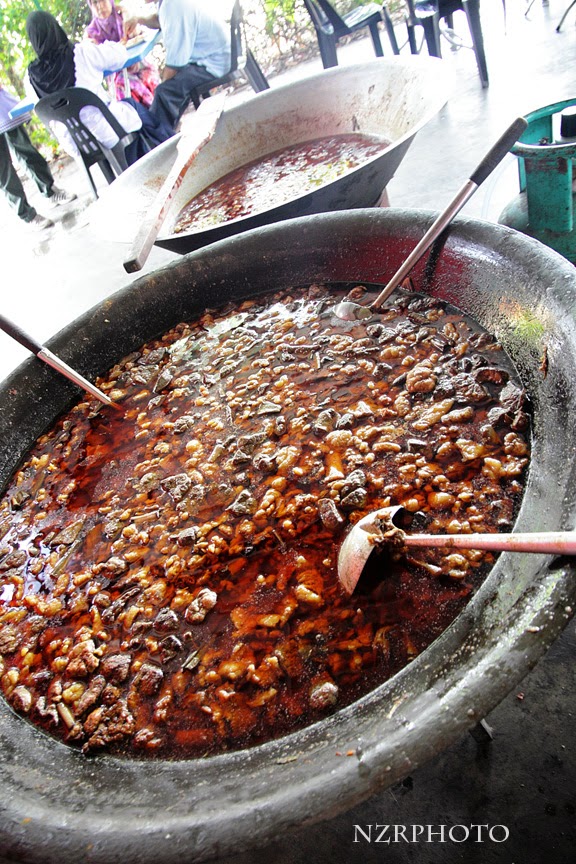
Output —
<point x="275" y="9"/>
<point x="287" y="25"/>
<point x="16" y="52"/>
<point x="281" y="21"/>
<point x="281" y="15"/>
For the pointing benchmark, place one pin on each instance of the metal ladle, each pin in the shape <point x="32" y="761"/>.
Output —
<point x="350" y="311"/>
<point x="52" y="360"/>
<point x="386" y="526"/>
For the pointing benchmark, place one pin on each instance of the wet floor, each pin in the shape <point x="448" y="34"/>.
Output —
<point x="525" y="779"/>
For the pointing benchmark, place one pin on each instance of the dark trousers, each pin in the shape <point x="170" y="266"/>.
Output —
<point x="17" y="141"/>
<point x="152" y="133"/>
<point x="172" y="97"/>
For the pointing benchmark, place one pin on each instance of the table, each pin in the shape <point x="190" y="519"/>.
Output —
<point x="135" y="54"/>
<point x="24" y="107"/>
<point x="7" y="122"/>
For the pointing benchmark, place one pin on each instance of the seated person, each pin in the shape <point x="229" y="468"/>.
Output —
<point x="197" y="47"/>
<point x="107" y="26"/>
<point x="61" y="64"/>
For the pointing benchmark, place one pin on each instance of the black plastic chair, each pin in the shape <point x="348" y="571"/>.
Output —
<point x="64" y="106"/>
<point x="428" y="13"/>
<point x="330" y="27"/>
<point x="243" y="64"/>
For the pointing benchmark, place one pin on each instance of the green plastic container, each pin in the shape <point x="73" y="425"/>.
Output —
<point x="544" y="209"/>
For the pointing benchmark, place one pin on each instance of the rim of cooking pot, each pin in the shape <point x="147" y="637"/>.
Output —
<point x="59" y="806"/>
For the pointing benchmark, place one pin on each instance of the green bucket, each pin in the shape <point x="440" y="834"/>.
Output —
<point x="544" y="209"/>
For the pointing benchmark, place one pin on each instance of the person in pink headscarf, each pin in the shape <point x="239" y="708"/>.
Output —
<point x="107" y="26"/>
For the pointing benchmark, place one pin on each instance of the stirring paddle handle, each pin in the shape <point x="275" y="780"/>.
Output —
<point x="547" y="542"/>
<point x="19" y="335"/>
<point x="44" y="354"/>
<point x="188" y="148"/>
<point x="482" y="171"/>
<point x="498" y="151"/>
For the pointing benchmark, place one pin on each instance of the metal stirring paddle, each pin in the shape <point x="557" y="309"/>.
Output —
<point x="386" y="525"/>
<point x="349" y="311"/>
<point x="52" y="360"/>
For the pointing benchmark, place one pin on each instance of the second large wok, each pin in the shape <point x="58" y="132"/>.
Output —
<point x="391" y="99"/>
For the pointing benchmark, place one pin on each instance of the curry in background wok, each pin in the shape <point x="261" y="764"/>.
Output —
<point x="278" y="178"/>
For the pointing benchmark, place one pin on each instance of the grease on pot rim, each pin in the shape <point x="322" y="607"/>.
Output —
<point x="167" y="573"/>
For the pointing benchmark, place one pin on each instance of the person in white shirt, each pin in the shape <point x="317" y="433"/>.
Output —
<point x="197" y="45"/>
<point x="60" y="64"/>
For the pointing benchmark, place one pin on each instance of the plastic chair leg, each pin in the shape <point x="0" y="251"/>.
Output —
<point x="432" y="35"/>
<point x="375" y="33"/>
<point x="412" y="37"/>
<point x="107" y="171"/>
<point x="327" y="46"/>
<point x="117" y="158"/>
<point x="256" y="77"/>
<point x="91" y="179"/>
<point x="390" y="30"/>
<point x="472" y="10"/>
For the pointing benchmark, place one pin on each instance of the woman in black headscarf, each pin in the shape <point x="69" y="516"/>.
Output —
<point x="61" y="64"/>
<point x="54" y="69"/>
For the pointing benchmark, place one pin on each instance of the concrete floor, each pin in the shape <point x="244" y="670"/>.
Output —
<point x="526" y="778"/>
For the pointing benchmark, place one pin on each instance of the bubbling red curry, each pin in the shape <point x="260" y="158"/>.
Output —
<point x="168" y="575"/>
<point x="278" y="178"/>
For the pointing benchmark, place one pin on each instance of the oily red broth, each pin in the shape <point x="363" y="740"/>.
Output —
<point x="168" y="572"/>
<point x="278" y="178"/>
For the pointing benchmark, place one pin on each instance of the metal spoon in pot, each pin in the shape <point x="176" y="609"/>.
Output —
<point x="52" y="360"/>
<point x="349" y="311"/>
<point x="386" y="526"/>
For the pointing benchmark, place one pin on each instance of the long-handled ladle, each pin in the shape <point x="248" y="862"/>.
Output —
<point x="189" y="146"/>
<point x="52" y="360"/>
<point x="386" y="526"/>
<point x="349" y="311"/>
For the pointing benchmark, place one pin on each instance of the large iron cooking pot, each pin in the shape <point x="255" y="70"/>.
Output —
<point x="392" y="99"/>
<point x="59" y="806"/>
